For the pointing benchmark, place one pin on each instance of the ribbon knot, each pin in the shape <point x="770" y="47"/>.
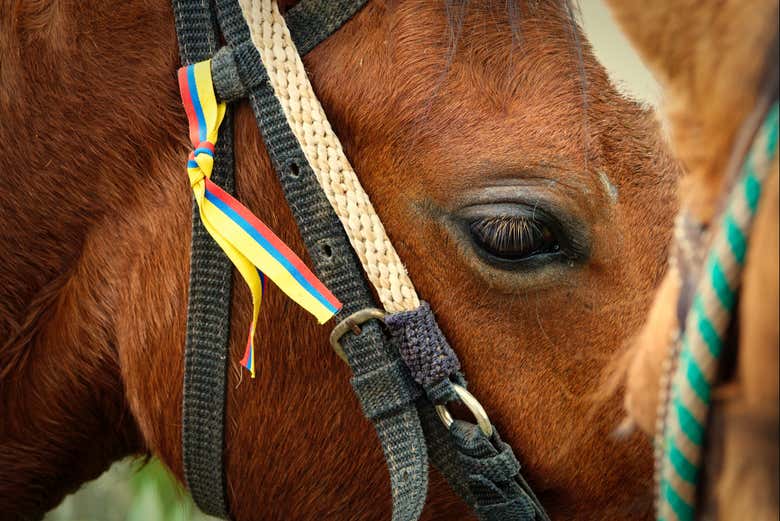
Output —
<point x="200" y="164"/>
<point x="250" y="245"/>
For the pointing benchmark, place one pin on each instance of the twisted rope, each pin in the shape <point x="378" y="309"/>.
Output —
<point x="702" y="342"/>
<point x="326" y="156"/>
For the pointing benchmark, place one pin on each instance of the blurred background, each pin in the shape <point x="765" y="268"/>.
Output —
<point x="132" y="491"/>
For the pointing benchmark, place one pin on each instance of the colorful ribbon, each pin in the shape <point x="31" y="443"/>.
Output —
<point x="251" y="246"/>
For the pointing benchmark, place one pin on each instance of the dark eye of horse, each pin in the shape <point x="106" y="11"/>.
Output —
<point x="513" y="238"/>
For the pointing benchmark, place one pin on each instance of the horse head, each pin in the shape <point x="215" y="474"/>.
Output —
<point x="529" y="200"/>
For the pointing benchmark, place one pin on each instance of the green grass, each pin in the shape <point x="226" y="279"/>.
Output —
<point x="130" y="492"/>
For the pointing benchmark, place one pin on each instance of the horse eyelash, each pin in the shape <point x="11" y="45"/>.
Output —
<point x="507" y="233"/>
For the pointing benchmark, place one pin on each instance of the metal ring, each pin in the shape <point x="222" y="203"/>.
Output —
<point x="473" y="405"/>
<point x="353" y="323"/>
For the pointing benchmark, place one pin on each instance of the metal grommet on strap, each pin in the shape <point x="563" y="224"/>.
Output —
<point x="352" y="323"/>
<point x="473" y="405"/>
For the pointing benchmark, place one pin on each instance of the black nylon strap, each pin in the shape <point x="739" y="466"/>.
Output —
<point x="194" y="30"/>
<point x="206" y="352"/>
<point x="483" y="471"/>
<point x="311" y="21"/>
<point x="208" y="310"/>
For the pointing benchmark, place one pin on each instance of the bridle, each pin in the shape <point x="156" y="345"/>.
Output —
<point x="404" y="371"/>
<point x="708" y="264"/>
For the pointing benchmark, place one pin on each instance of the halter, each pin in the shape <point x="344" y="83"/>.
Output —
<point x="709" y="286"/>
<point x="404" y="371"/>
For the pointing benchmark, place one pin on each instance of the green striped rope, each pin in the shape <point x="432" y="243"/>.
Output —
<point x="684" y="426"/>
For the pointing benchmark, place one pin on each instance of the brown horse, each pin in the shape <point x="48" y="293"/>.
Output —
<point x="718" y="64"/>
<point x="456" y="116"/>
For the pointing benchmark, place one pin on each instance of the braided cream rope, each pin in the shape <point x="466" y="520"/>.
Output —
<point x="326" y="157"/>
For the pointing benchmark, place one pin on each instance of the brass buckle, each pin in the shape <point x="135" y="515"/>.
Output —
<point x="473" y="405"/>
<point x="353" y="323"/>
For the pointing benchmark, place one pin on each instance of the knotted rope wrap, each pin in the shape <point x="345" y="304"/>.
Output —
<point x="702" y="341"/>
<point x="423" y="347"/>
<point x="250" y="245"/>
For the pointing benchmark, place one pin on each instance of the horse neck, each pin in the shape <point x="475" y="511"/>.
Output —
<point x="64" y="418"/>
<point x="74" y="174"/>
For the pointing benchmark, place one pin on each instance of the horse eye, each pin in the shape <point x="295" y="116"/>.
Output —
<point x="513" y="238"/>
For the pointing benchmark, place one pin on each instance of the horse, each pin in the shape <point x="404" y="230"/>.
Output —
<point x="718" y="66"/>
<point x="466" y="122"/>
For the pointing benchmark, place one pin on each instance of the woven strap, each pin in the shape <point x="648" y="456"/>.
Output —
<point x="208" y="309"/>
<point x="311" y="21"/>
<point x="481" y="469"/>
<point x="422" y="345"/>
<point x="682" y="438"/>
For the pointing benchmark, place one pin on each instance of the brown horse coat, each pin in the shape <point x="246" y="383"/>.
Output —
<point x="96" y="209"/>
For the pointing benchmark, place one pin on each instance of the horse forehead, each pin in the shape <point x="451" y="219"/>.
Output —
<point x="495" y="40"/>
<point x="439" y="75"/>
<point x="473" y="88"/>
<point x="412" y="52"/>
